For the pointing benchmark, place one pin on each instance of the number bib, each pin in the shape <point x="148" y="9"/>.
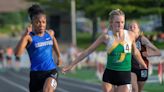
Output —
<point x="144" y="73"/>
<point x="138" y="45"/>
<point x="127" y="48"/>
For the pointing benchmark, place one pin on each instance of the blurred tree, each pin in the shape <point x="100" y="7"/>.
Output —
<point x="56" y="5"/>
<point x="132" y="9"/>
<point x="101" y="8"/>
<point x="10" y="18"/>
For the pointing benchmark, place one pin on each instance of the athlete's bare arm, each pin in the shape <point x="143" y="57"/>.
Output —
<point x="150" y="47"/>
<point x="25" y="39"/>
<point x="56" y="48"/>
<point x="135" y="51"/>
<point x="86" y="52"/>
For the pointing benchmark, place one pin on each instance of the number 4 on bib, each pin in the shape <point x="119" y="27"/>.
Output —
<point x="127" y="48"/>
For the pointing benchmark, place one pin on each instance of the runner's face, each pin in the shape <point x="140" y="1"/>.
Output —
<point x="134" y="27"/>
<point x="39" y="23"/>
<point x="117" y="23"/>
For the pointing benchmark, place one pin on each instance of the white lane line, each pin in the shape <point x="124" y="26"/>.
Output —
<point x="14" y="84"/>
<point x="27" y="79"/>
<point x="81" y="86"/>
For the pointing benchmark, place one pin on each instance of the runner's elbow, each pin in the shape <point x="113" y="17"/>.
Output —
<point x="17" y="53"/>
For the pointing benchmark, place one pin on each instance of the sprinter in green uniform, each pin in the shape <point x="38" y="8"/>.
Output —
<point x="120" y="45"/>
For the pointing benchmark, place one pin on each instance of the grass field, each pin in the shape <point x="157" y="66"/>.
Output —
<point x="86" y="74"/>
<point x="84" y="40"/>
<point x="89" y="75"/>
<point x="154" y="87"/>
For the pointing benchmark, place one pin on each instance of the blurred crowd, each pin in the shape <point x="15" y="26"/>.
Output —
<point x="156" y="37"/>
<point x="8" y="60"/>
<point x="95" y="60"/>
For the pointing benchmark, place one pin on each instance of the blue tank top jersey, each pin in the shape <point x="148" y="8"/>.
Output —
<point x="40" y="52"/>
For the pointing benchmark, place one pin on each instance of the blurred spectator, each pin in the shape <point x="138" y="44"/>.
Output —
<point x="161" y="37"/>
<point x="1" y="59"/>
<point x="101" y="61"/>
<point x="91" y="60"/>
<point x="103" y="27"/>
<point x="9" y="54"/>
<point x="72" y="53"/>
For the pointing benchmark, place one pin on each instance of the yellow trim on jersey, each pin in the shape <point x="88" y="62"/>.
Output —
<point x="114" y="45"/>
<point x="122" y="43"/>
<point x="122" y="57"/>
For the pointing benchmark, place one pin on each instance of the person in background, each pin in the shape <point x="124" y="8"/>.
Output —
<point x="139" y="75"/>
<point x="1" y="59"/>
<point x="72" y="54"/>
<point x="9" y="54"/>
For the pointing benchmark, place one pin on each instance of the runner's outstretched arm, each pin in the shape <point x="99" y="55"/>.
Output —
<point x="86" y="52"/>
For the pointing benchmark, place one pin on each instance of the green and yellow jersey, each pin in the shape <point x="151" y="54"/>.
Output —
<point x="119" y="53"/>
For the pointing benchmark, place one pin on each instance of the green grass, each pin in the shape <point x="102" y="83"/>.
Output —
<point x="85" y="74"/>
<point x="159" y="44"/>
<point x="151" y="33"/>
<point x="155" y="72"/>
<point x="6" y="30"/>
<point x="154" y="87"/>
<point x="84" y="40"/>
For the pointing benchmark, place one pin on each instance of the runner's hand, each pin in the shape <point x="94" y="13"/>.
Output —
<point x="28" y="30"/>
<point x="66" y="69"/>
<point x="143" y="66"/>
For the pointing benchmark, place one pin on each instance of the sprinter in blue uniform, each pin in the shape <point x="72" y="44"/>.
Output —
<point x="40" y="44"/>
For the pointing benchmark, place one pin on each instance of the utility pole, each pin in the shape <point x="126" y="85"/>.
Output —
<point x="73" y="21"/>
